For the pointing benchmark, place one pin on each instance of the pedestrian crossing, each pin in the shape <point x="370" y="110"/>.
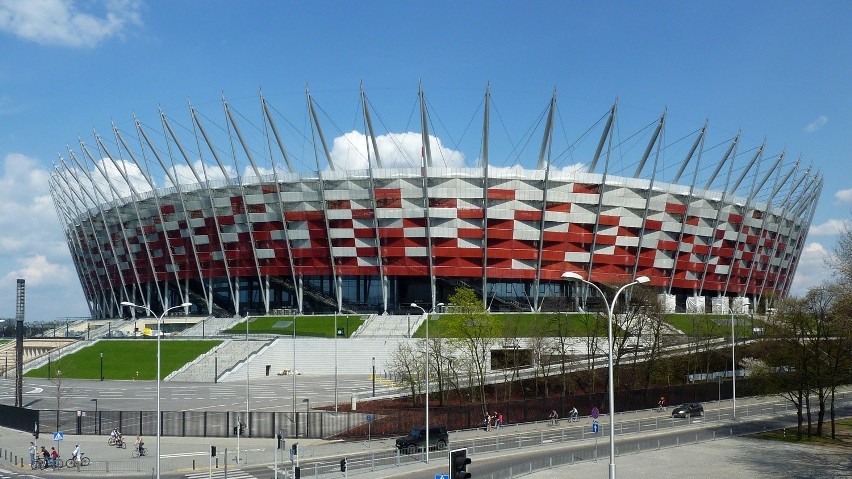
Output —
<point x="220" y="474"/>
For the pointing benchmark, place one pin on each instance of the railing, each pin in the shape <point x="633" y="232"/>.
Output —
<point x="386" y="456"/>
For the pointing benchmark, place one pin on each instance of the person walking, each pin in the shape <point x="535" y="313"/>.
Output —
<point x="32" y="454"/>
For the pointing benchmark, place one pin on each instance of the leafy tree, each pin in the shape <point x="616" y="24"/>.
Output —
<point x="473" y="332"/>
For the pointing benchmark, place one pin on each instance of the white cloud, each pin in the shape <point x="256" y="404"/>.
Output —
<point x="349" y="152"/>
<point x="829" y="228"/>
<point x="816" y="124"/>
<point x="63" y="22"/>
<point x="39" y="271"/>
<point x="811" y="271"/>
<point x="32" y="245"/>
<point x="843" y="196"/>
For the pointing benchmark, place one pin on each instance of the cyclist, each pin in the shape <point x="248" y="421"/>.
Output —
<point x="45" y="455"/>
<point x="661" y="404"/>
<point x="139" y="445"/>
<point x="75" y="454"/>
<point x="575" y="416"/>
<point x="553" y="418"/>
<point x="54" y="457"/>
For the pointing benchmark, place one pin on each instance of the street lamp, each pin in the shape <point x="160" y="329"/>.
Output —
<point x="159" y="333"/>
<point x="734" y="364"/>
<point x="414" y="305"/>
<point x="610" y="382"/>
<point x="102" y="366"/>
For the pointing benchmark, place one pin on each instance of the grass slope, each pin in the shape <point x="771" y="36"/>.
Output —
<point x="125" y="359"/>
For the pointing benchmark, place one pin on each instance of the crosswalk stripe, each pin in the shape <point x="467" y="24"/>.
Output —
<point x="220" y="473"/>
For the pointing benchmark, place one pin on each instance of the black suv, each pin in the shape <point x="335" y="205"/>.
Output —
<point x="416" y="439"/>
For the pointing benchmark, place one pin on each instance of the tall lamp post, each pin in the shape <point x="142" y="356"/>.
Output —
<point x="734" y="364"/>
<point x="159" y="333"/>
<point x="414" y="305"/>
<point x="610" y="382"/>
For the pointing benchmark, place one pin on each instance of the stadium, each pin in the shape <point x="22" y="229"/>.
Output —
<point x="217" y="213"/>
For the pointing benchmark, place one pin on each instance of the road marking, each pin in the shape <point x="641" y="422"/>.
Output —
<point x="185" y="454"/>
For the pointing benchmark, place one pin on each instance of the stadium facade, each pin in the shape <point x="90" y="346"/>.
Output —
<point x="147" y="222"/>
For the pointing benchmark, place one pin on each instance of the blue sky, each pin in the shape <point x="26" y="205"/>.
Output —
<point x="777" y="70"/>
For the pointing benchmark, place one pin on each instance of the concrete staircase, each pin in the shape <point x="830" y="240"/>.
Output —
<point x="316" y="356"/>
<point x="389" y="326"/>
<point x="219" y="362"/>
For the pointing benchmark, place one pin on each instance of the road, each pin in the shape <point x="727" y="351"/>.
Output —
<point x="273" y="394"/>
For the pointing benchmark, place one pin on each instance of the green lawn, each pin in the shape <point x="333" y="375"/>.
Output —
<point x="125" y="359"/>
<point x="518" y="324"/>
<point x="317" y="326"/>
<point x="843" y="433"/>
<point x="716" y="325"/>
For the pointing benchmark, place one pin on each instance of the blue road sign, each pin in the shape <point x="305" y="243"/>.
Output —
<point x="442" y="476"/>
<point x="596" y="427"/>
<point x="369" y="418"/>
<point x="58" y="436"/>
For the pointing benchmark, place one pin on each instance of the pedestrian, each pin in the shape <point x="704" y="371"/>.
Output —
<point x="54" y="457"/>
<point x="486" y="421"/>
<point x="32" y="454"/>
<point x="499" y="422"/>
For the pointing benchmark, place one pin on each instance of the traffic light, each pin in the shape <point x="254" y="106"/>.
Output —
<point x="212" y="451"/>
<point x="458" y="464"/>
<point x="294" y="449"/>
<point x="343" y="465"/>
<point x="281" y="441"/>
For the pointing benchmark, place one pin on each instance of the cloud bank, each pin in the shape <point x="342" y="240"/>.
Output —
<point x="64" y="23"/>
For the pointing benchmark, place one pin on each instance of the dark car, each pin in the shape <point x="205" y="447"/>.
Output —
<point x="688" y="410"/>
<point x="416" y="439"/>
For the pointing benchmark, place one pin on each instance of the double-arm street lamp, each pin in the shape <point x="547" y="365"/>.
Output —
<point x="414" y="305"/>
<point x="610" y="383"/>
<point x="159" y="333"/>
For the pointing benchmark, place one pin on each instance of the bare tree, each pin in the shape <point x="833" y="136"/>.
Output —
<point x="406" y="364"/>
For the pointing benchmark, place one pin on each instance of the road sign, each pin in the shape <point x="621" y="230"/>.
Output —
<point x="596" y="427"/>
<point x="369" y="418"/>
<point x="595" y="412"/>
<point x="58" y="436"/>
<point x="442" y="476"/>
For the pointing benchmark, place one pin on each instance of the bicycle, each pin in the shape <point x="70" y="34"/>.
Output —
<point x="83" y="460"/>
<point x="39" y="463"/>
<point x="117" y="442"/>
<point x="139" y="451"/>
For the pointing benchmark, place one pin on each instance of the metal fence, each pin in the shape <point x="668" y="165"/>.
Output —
<point x="581" y="435"/>
<point x="361" y="424"/>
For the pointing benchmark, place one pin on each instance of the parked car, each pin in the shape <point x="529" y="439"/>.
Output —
<point x="688" y="410"/>
<point x="416" y="439"/>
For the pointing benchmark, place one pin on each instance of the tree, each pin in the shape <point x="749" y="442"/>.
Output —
<point x="473" y="332"/>
<point x="406" y="364"/>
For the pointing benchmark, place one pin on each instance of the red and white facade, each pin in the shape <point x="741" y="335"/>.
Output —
<point x="379" y="239"/>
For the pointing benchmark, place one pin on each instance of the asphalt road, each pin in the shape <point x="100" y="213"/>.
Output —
<point x="272" y="394"/>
